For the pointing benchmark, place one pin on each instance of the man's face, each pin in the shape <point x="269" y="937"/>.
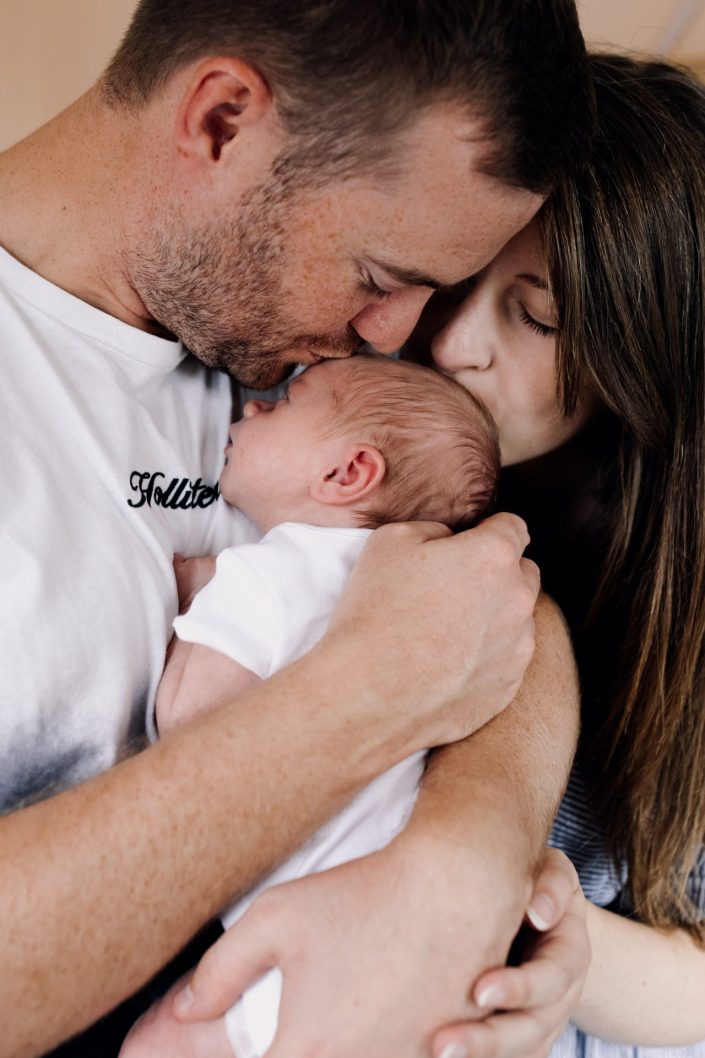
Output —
<point x="296" y="277"/>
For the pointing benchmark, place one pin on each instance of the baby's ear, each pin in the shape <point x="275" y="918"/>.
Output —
<point x="358" y="471"/>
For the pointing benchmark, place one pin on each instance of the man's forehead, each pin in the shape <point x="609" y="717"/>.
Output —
<point x="441" y="217"/>
<point x="441" y="246"/>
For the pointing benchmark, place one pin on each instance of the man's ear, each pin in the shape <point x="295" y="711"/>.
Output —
<point x="222" y="98"/>
<point x="356" y="474"/>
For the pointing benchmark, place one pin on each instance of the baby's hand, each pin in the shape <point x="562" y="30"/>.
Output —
<point x="530" y="1003"/>
<point x="192" y="574"/>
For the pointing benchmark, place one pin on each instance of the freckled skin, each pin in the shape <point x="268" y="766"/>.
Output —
<point x="263" y="287"/>
<point x="447" y="222"/>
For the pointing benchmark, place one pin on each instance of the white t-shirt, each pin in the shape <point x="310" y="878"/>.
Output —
<point x="267" y="604"/>
<point x="112" y="448"/>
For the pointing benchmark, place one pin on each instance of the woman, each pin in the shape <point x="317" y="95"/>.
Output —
<point x="617" y="519"/>
<point x="586" y="338"/>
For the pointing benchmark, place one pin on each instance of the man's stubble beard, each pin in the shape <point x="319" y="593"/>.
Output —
<point x="219" y="289"/>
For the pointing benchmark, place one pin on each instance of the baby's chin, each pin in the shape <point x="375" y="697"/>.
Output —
<point x="226" y="489"/>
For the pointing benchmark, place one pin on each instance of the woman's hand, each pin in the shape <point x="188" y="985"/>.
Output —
<point x="375" y="954"/>
<point x="530" y="1003"/>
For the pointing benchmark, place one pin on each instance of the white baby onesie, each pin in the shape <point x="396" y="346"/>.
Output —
<point x="268" y="604"/>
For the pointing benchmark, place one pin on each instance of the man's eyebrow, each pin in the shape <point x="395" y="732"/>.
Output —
<point x="535" y="281"/>
<point x="408" y="276"/>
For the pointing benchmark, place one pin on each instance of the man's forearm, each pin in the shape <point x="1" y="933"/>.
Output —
<point x="493" y="796"/>
<point x="101" y="885"/>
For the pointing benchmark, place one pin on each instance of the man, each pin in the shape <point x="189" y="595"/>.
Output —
<point x="271" y="184"/>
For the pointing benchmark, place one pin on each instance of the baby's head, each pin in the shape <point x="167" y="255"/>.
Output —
<point x="361" y="442"/>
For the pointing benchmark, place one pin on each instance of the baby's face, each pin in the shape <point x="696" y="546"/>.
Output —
<point x="276" y="449"/>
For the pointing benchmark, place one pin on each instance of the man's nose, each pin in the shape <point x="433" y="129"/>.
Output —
<point x="387" y="324"/>
<point x="254" y="407"/>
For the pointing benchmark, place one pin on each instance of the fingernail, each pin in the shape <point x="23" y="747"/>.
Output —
<point x="492" y="996"/>
<point x="183" y="1000"/>
<point x="454" y="1050"/>
<point x="541" y="913"/>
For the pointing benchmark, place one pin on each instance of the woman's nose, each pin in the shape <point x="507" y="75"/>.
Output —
<point x="465" y="342"/>
<point x="254" y="407"/>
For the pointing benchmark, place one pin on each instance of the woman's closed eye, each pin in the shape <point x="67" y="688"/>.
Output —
<point x="544" y="329"/>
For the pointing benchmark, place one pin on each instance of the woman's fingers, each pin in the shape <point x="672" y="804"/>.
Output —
<point x="556" y="965"/>
<point x="543" y="981"/>
<point x="530" y="1003"/>
<point x="514" y="1035"/>
<point x="554" y="888"/>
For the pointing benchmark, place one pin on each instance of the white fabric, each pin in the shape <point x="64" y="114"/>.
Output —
<point x="267" y="604"/>
<point x="91" y="410"/>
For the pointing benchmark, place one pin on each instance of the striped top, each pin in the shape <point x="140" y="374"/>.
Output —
<point x="577" y="833"/>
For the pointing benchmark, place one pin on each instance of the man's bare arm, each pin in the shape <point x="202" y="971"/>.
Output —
<point x="496" y="793"/>
<point x="101" y="885"/>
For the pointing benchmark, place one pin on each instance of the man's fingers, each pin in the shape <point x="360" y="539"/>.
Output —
<point x="532" y="574"/>
<point x="395" y="532"/>
<point x="241" y="956"/>
<point x="510" y="526"/>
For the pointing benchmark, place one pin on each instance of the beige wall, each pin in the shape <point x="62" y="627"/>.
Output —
<point x="52" y="50"/>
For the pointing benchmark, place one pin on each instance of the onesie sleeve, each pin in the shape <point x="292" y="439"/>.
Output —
<point x="236" y="614"/>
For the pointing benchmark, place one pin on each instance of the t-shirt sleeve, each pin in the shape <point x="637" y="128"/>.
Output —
<point x="235" y="614"/>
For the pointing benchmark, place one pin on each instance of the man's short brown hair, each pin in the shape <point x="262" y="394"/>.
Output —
<point x="348" y="76"/>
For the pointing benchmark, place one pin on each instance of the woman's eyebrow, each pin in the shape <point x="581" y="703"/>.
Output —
<point x="535" y="281"/>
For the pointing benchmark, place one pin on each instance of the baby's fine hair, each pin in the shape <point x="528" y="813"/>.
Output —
<point x="439" y="443"/>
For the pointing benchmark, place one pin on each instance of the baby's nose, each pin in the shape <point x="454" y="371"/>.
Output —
<point x="254" y="407"/>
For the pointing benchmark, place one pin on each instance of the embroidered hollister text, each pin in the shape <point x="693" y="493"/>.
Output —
<point x="180" y="494"/>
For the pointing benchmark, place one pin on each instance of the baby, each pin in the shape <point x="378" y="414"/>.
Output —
<point x="354" y="444"/>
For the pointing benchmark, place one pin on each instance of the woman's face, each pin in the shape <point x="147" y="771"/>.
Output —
<point x="499" y="341"/>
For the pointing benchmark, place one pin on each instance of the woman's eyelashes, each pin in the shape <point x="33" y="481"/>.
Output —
<point x="538" y="328"/>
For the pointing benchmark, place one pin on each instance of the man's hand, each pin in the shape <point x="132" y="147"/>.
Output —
<point x="439" y="627"/>
<point x="375" y="955"/>
<point x="430" y="642"/>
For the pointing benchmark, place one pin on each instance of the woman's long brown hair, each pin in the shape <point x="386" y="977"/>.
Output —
<point x="625" y="244"/>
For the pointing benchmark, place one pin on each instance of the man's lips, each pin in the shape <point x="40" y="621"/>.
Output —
<point x="319" y="358"/>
